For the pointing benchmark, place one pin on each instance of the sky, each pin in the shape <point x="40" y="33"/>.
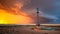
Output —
<point x="49" y="10"/>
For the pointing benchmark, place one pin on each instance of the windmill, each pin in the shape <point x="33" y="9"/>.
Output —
<point x="38" y="22"/>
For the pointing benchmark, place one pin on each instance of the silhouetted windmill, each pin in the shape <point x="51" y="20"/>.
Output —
<point x="38" y="22"/>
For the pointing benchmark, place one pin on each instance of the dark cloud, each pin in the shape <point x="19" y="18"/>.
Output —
<point x="29" y="6"/>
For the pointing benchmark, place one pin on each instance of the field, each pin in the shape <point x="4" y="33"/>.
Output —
<point x="20" y="29"/>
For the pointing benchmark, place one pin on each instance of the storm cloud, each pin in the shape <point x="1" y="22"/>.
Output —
<point x="48" y="8"/>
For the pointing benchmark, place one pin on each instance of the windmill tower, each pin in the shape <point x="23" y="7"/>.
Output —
<point x="38" y="22"/>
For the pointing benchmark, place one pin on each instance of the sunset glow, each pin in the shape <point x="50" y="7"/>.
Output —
<point x="6" y="18"/>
